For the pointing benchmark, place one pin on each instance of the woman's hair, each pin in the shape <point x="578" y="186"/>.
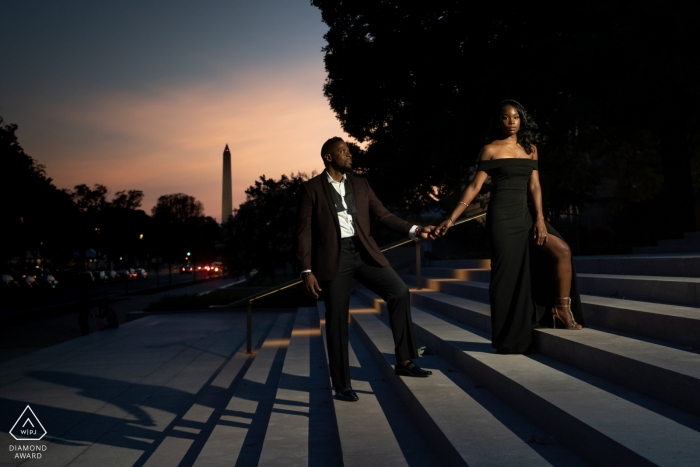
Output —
<point x="527" y="134"/>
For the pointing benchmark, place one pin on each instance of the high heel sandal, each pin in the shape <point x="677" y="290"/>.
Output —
<point x="566" y="316"/>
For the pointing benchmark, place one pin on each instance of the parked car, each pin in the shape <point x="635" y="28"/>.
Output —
<point x="9" y="282"/>
<point x="123" y="274"/>
<point x="85" y="278"/>
<point x="28" y="282"/>
<point x="112" y="275"/>
<point x="100" y="276"/>
<point x="47" y="281"/>
<point x="141" y="273"/>
<point x="216" y="268"/>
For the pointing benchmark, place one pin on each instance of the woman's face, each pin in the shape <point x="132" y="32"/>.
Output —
<point x="510" y="120"/>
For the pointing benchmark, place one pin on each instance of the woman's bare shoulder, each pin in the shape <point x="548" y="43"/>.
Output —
<point x="535" y="154"/>
<point x="488" y="152"/>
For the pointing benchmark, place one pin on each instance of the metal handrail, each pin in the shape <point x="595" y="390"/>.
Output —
<point x="249" y="300"/>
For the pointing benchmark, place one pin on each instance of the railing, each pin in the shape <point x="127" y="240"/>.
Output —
<point x="249" y="300"/>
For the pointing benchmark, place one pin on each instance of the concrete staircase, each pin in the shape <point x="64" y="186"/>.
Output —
<point x="690" y="243"/>
<point x="625" y="391"/>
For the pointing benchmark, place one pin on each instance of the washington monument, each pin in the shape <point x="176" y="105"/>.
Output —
<point x="226" y="190"/>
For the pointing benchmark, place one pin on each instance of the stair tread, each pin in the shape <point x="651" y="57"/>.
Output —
<point x="301" y="428"/>
<point x="631" y="425"/>
<point x="475" y="433"/>
<point x="226" y="443"/>
<point x="644" y="307"/>
<point x="662" y="356"/>
<point x="695" y="280"/>
<point x="636" y="305"/>
<point x="364" y="430"/>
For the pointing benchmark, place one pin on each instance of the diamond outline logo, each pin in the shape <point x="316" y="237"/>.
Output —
<point x="30" y="422"/>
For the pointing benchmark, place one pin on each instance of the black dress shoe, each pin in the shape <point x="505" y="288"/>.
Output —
<point x="411" y="369"/>
<point x="347" y="394"/>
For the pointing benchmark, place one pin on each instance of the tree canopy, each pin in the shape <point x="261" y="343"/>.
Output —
<point x="262" y="232"/>
<point x="37" y="216"/>
<point x="607" y="82"/>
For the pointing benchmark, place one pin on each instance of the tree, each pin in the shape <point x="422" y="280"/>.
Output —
<point x="177" y="207"/>
<point x="606" y="81"/>
<point x="36" y="215"/>
<point x="90" y="200"/>
<point x="261" y="234"/>
<point x="131" y="199"/>
<point x="180" y="226"/>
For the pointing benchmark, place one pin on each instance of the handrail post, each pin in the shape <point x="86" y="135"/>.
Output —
<point x="419" y="279"/>
<point x="249" y="327"/>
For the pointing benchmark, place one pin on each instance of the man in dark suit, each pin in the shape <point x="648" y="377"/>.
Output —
<point x="335" y="245"/>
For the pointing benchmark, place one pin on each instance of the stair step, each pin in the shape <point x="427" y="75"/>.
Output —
<point x="461" y="263"/>
<point x="594" y="418"/>
<point x="674" y="265"/>
<point x="374" y="430"/>
<point x="670" y="323"/>
<point x="302" y="428"/>
<point x="684" y="291"/>
<point x="692" y="248"/>
<point x="463" y="428"/>
<point x="680" y="242"/>
<point x="470" y="312"/>
<point x="481" y="275"/>
<point x="668" y="374"/>
<point x="239" y="433"/>
<point x="675" y="324"/>
<point x="664" y="373"/>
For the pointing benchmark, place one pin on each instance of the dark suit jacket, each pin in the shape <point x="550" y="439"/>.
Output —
<point x="318" y="230"/>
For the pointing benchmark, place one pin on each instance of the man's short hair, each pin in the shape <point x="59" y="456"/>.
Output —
<point x="328" y="145"/>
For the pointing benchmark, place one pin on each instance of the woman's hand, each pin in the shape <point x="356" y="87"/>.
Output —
<point x="441" y="229"/>
<point x="540" y="232"/>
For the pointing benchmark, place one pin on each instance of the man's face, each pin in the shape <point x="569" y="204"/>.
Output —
<point x="340" y="158"/>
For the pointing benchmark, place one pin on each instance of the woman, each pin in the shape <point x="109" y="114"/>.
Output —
<point x="525" y="250"/>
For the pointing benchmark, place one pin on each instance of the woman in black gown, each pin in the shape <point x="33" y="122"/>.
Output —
<point x="531" y="265"/>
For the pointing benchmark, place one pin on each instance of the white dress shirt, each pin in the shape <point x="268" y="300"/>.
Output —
<point x="347" y="229"/>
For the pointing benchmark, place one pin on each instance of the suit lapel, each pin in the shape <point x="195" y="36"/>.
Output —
<point x="356" y="222"/>
<point x="329" y="201"/>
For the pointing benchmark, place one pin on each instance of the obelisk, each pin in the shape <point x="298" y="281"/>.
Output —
<point x="226" y="190"/>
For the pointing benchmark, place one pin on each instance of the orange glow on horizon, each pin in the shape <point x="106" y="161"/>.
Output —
<point x="170" y="140"/>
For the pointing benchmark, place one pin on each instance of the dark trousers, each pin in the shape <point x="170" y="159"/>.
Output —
<point x="355" y="263"/>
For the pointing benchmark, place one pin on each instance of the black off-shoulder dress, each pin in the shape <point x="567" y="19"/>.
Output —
<point x="523" y="278"/>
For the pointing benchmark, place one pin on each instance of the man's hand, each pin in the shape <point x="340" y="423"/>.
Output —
<point x="427" y="232"/>
<point x="311" y="286"/>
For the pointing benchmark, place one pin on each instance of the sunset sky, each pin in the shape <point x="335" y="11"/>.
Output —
<point x="145" y="95"/>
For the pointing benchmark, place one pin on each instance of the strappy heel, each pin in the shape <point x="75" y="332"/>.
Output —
<point x="563" y="313"/>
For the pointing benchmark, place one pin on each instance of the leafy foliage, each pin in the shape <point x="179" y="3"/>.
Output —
<point x="606" y="81"/>
<point x="33" y="207"/>
<point x="39" y="217"/>
<point x="262" y="233"/>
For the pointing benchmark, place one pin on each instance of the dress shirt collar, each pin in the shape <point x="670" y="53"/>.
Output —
<point x="330" y="179"/>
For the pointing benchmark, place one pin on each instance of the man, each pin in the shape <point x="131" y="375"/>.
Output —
<point x="335" y="245"/>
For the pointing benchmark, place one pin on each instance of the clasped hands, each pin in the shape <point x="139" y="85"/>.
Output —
<point x="441" y="229"/>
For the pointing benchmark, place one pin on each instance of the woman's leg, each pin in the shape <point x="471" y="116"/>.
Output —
<point x="560" y="251"/>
